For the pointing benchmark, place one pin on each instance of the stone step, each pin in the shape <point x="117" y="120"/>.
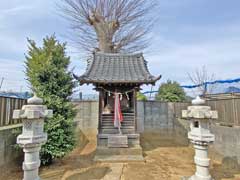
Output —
<point x="123" y="127"/>
<point x="133" y="139"/>
<point x="104" y="120"/>
<point x="129" y="121"/>
<point x="119" y="158"/>
<point x="123" y="124"/>
<point x="124" y="121"/>
<point x="111" y="122"/>
<point x="111" y="114"/>
<point x="137" y="150"/>
<point x="130" y="136"/>
<point x="115" y="131"/>
<point x="112" y="126"/>
<point x="124" y="117"/>
<point x="111" y="118"/>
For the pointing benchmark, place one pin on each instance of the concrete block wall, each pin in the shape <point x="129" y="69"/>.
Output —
<point x="160" y="116"/>
<point x="150" y="115"/>
<point x="8" y="152"/>
<point x="86" y="119"/>
<point x="154" y="115"/>
<point x="227" y="142"/>
<point x="181" y="128"/>
<point x="87" y="114"/>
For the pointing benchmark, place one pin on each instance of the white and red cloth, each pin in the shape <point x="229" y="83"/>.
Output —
<point x="118" y="118"/>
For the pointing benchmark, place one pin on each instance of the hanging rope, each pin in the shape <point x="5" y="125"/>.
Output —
<point x="213" y="82"/>
<point x="120" y="93"/>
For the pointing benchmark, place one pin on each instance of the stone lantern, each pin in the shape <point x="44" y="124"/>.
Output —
<point x="32" y="137"/>
<point x="200" y="135"/>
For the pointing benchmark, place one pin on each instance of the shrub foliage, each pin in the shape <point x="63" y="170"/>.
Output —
<point x="141" y="96"/>
<point x="171" y="91"/>
<point x="47" y="72"/>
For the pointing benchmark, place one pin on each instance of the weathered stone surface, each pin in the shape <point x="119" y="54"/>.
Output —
<point x="151" y="115"/>
<point x="198" y="101"/>
<point x="227" y="141"/>
<point x="115" y="173"/>
<point x="118" y="152"/>
<point x="200" y="136"/>
<point x="119" y="158"/>
<point x="199" y="112"/>
<point x="117" y="141"/>
<point x="32" y="136"/>
<point x="87" y="114"/>
<point x="104" y="151"/>
<point x="133" y="139"/>
<point x="8" y="153"/>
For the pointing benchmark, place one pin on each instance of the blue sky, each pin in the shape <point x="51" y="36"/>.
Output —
<point x="188" y="34"/>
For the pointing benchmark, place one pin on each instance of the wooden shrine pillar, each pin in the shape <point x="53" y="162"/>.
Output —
<point x="100" y="109"/>
<point x="135" y="108"/>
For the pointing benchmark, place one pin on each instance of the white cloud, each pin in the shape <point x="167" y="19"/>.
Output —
<point x="221" y="57"/>
<point x="15" y="10"/>
<point x="13" y="74"/>
<point x="178" y="45"/>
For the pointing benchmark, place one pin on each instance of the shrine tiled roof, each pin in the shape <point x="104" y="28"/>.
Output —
<point x="105" y="68"/>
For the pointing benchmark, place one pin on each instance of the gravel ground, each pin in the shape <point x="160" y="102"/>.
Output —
<point x="165" y="160"/>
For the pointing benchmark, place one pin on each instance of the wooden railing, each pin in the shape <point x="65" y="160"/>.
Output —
<point x="7" y="105"/>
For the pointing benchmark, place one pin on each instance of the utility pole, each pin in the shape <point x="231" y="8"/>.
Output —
<point x="1" y="83"/>
<point x="151" y="93"/>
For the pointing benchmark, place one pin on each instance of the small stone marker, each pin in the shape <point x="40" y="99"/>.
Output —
<point x="117" y="141"/>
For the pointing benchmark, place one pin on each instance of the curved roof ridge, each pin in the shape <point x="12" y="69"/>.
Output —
<point x="118" y="54"/>
<point x="117" y="68"/>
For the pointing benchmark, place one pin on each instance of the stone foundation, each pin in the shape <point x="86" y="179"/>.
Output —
<point x="119" y="154"/>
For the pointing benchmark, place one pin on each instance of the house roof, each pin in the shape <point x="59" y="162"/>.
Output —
<point x="105" y="68"/>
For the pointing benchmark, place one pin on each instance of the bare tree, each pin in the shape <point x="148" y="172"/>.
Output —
<point x="109" y="25"/>
<point x="200" y="77"/>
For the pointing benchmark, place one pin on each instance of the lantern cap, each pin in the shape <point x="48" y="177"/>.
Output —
<point x="198" y="101"/>
<point x="35" y="100"/>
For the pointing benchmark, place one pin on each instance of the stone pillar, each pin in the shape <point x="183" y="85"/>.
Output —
<point x="200" y="136"/>
<point x="32" y="137"/>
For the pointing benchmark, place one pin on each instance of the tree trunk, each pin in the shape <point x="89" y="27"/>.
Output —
<point x="105" y="31"/>
<point x="105" y="44"/>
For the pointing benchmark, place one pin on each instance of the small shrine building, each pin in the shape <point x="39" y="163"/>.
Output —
<point x="117" y="78"/>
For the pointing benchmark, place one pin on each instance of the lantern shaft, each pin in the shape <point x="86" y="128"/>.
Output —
<point x="200" y="136"/>
<point x="32" y="137"/>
